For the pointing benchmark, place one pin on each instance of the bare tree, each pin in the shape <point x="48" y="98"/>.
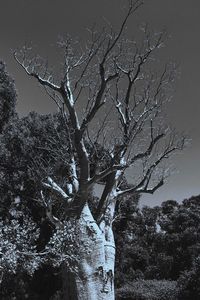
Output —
<point x="123" y="97"/>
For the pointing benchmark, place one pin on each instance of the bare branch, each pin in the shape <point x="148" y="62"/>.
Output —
<point x="104" y="81"/>
<point x="55" y="187"/>
<point x="143" y="185"/>
<point x="42" y="81"/>
<point x="106" y="172"/>
<point x="48" y="209"/>
<point x="141" y="155"/>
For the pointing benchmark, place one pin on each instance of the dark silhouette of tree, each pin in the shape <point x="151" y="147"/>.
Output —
<point x="188" y="282"/>
<point x="7" y="97"/>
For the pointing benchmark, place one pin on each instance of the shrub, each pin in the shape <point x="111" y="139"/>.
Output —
<point x="189" y="282"/>
<point x="148" y="290"/>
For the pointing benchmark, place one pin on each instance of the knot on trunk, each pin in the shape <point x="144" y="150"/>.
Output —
<point x="108" y="279"/>
<point x="91" y="228"/>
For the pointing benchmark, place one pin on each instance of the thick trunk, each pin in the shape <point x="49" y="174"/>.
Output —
<point x="95" y="280"/>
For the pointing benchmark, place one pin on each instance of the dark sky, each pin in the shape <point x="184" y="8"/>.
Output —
<point x="42" y="21"/>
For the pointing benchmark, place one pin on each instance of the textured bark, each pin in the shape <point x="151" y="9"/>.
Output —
<point x="97" y="256"/>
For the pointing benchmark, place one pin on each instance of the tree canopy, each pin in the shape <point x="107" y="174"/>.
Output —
<point x="7" y="96"/>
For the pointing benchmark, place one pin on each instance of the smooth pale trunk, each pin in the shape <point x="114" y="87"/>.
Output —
<point x="97" y="258"/>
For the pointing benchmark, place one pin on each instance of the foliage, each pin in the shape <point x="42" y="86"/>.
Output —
<point x="189" y="282"/>
<point x="7" y="97"/>
<point x="148" y="290"/>
<point x="181" y="228"/>
<point x="18" y="238"/>
<point x="63" y="246"/>
<point x="126" y="211"/>
<point x="30" y="149"/>
<point x="158" y="243"/>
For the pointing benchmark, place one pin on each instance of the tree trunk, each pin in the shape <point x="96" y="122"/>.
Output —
<point x="95" y="279"/>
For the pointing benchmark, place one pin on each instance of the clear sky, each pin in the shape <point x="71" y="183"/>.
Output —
<point x="42" y="21"/>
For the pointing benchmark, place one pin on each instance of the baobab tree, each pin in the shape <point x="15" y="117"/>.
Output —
<point x="122" y="96"/>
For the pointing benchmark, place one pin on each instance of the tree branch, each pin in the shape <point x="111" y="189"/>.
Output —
<point x="55" y="187"/>
<point x="41" y="80"/>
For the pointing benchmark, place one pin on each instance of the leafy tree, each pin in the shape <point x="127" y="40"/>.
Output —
<point x="7" y="97"/>
<point x="17" y="248"/>
<point x="125" y="227"/>
<point x="167" y="236"/>
<point x="25" y="227"/>
<point x="181" y="239"/>
<point x="189" y="282"/>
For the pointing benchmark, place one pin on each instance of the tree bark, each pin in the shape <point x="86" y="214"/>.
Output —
<point x="95" y="279"/>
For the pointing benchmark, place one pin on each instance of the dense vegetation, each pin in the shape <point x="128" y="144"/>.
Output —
<point x="160" y="244"/>
<point x="158" y="249"/>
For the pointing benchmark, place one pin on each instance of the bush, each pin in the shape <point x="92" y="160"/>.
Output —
<point x="189" y="282"/>
<point x="148" y="290"/>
